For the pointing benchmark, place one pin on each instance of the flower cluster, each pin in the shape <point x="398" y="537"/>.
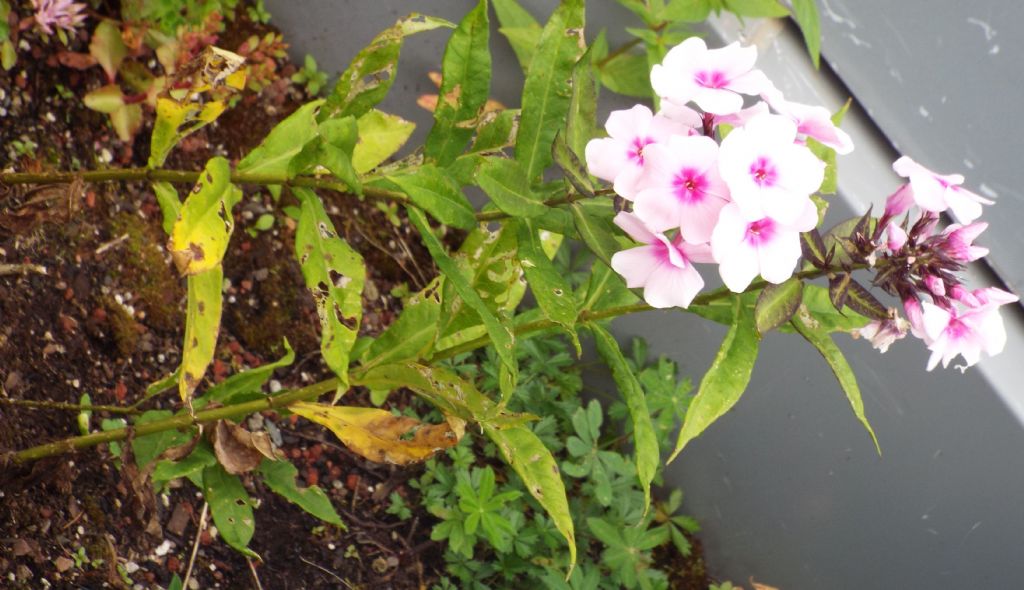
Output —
<point x="61" y="14"/>
<point x="919" y="263"/>
<point x="741" y="202"/>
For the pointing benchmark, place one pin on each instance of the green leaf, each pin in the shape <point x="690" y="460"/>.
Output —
<point x="203" y="228"/>
<point x="840" y="367"/>
<point x="335" y="150"/>
<point x="596" y="232"/>
<point x="549" y="286"/>
<point x="108" y="47"/>
<point x="148" y="447"/>
<point x="443" y="388"/>
<point x="202" y="323"/>
<point x="806" y="14"/>
<point x="648" y="458"/>
<point x="756" y="8"/>
<point x="200" y="458"/>
<point x="506" y="183"/>
<point x="280" y="477"/>
<point x="533" y="462"/>
<point x="627" y="74"/>
<point x="581" y="122"/>
<point x="127" y="121"/>
<point x="777" y="303"/>
<point x="245" y="382"/>
<point x="605" y="289"/>
<point x="285" y="141"/>
<point x="170" y="204"/>
<point x="380" y="136"/>
<point x="175" y="121"/>
<point x="433" y="190"/>
<point x="335" y="274"/>
<point x="727" y="378"/>
<point x="822" y="315"/>
<point x="410" y="337"/>
<point x="368" y="78"/>
<point x="230" y="507"/>
<point x="499" y="331"/>
<point x="686" y="11"/>
<point x="8" y="54"/>
<point x="107" y="99"/>
<point x="497" y="130"/>
<point x="547" y="90"/>
<point x="520" y="28"/>
<point x="465" y="85"/>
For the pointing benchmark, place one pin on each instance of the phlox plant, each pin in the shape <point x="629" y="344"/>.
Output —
<point x="726" y="175"/>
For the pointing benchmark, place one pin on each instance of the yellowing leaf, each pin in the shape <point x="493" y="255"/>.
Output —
<point x="201" y="233"/>
<point x="202" y="322"/>
<point x="380" y="136"/>
<point x="380" y="436"/>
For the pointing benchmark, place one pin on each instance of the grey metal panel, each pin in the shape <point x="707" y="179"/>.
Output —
<point x="788" y="485"/>
<point x="943" y="80"/>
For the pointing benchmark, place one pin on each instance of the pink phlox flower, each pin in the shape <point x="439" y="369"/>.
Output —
<point x="681" y="188"/>
<point x="683" y="114"/>
<point x="899" y="202"/>
<point x="747" y="248"/>
<point x="740" y="118"/>
<point x="896" y="237"/>
<point x="882" y="333"/>
<point x="662" y="266"/>
<point x="767" y="173"/>
<point x="62" y="14"/>
<point x="958" y="242"/>
<point x="619" y="158"/>
<point x="935" y="285"/>
<point x="966" y="331"/>
<point x="811" y="121"/>
<point x="938" y="192"/>
<point x="712" y="78"/>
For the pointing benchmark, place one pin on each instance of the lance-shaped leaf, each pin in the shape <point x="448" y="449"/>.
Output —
<point x="280" y="478"/>
<point x="533" y="462"/>
<point x="245" y="382"/>
<point x="627" y="74"/>
<point x="838" y="287"/>
<point x="176" y="121"/>
<point x="841" y="236"/>
<point x="581" y="122"/>
<point x="508" y="186"/>
<point x="547" y="90"/>
<point x="200" y="235"/>
<point x="497" y="130"/>
<point x="806" y="14"/>
<point x="860" y="300"/>
<point x="379" y="435"/>
<point x="466" y="82"/>
<point x="777" y="303"/>
<point x="500" y="333"/>
<point x="813" y="248"/>
<point x="335" y="274"/>
<point x="520" y="28"/>
<point x="284" y="142"/>
<point x="840" y="367"/>
<point x="436" y="192"/>
<point x="818" y="311"/>
<point x="368" y="78"/>
<point x="380" y="136"/>
<point x="411" y="337"/>
<point x="170" y="204"/>
<point x="727" y="378"/>
<point x="443" y="388"/>
<point x="606" y="288"/>
<point x="202" y="323"/>
<point x="647" y="456"/>
<point x="596" y="231"/>
<point x="230" y="507"/>
<point x="550" y="287"/>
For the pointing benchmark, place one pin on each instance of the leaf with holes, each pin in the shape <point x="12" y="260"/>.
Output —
<point x="380" y="136"/>
<point x="549" y="286"/>
<point x="547" y="90"/>
<point x="379" y="435"/>
<point x="176" y="121"/>
<point x="230" y="507"/>
<point x="335" y="274"/>
<point x="532" y="461"/>
<point x="201" y="233"/>
<point x="496" y="131"/>
<point x="466" y="82"/>
<point x="280" y="478"/>
<point x="727" y="378"/>
<point x="368" y="78"/>
<point x="202" y="323"/>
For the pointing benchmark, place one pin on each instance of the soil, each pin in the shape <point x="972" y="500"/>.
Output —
<point x="104" y="319"/>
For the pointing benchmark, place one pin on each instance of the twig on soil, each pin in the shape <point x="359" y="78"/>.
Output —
<point x="325" y="570"/>
<point x="255" y="578"/>
<point x="195" y="546"/>
<point x="111" y="244"/>
<point x="21" y="269"/>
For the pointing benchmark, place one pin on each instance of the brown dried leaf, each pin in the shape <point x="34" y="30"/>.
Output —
<point x="381" y="436"/>
<point x="76" y="60"/>
<point x="239" y="450"/>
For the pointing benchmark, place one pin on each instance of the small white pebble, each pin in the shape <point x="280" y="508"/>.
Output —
<point x="164" y="548"/>
<point x="80" y="530"/>
<point x="330" y="546"/>
<point x="275" y="386"/>
<point x="105" y="156"/>
<point x="131" y="567"/>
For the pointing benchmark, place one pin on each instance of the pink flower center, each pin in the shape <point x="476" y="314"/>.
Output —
<point x="636" y="152"/>
<point x="763" y="172"/>
<point x="760" y="232"/>
<point x="957" y="330"/>
<point x="710" y="79"/>
<point x="689" y="185"/>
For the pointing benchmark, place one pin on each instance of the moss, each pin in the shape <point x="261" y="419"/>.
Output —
<point x="146" y="273"/>
<point x="123" y="327"/>
<point x="279" y="313"/>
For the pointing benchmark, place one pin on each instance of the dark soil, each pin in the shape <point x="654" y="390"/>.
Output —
<point x="105" y="319"/>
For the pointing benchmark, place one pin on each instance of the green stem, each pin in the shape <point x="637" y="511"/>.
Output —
<point x="52" y="405"/>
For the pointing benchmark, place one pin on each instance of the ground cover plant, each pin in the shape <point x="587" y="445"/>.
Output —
<point x="453" y="369"/>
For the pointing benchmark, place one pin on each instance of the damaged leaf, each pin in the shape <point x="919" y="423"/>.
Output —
<point x="202" y="323"/>
<point x="200" y="235"/>
<point x="238" y="449"/>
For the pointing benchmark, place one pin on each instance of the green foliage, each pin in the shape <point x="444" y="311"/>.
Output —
<point x="310" y="76"/>
<point x="280" y="477"/>
<point x="230" y="507"/>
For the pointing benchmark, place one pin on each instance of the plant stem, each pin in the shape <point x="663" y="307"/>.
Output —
<point x="52" y="405"/>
